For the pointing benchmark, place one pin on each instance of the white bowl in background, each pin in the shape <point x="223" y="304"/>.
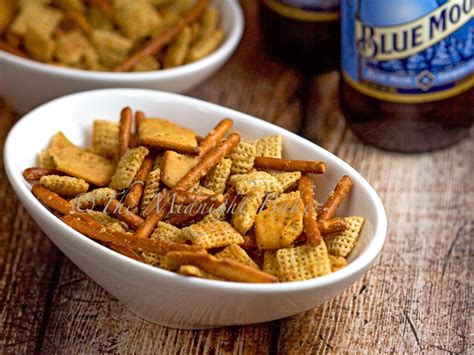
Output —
<point x="161" y="296"/>
<point x="25" y="83"/>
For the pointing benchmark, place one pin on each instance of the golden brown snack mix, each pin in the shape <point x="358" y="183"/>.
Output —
<point x="202" y="210"/>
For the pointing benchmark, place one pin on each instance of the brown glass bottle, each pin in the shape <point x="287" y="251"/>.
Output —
<point x="408" y="128"/>
<point x="408" y="72"/>
<point x="306" y="38"/>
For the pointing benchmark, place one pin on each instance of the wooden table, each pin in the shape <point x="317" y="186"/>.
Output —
<point x="417" y="297"/>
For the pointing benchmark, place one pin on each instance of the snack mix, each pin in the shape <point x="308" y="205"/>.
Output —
<point x="218" y="207"/>
<point x="110" y="35"/>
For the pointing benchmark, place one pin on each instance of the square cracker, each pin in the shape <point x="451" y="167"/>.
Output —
<point x="163" y="134"/>
<point x="303" y="263"/>
<point x="212" y="234"/>
<point x="79" y="163"/>
<point x="235" y="252"/>
<point x="341" y="244"/>
<point x="175" y="166"/>
<point x="280" y="223"/>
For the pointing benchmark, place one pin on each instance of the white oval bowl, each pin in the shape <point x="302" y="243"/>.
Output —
<point x="164" y="297"/>
<point x="26" y="84"/>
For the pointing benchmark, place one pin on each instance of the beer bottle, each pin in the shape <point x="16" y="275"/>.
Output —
<point x="305" y="33"/>
<point x="408" y="71"/>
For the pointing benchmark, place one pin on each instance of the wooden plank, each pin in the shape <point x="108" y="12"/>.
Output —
<point x="417" y="296"/>
<point x="84" y="318"/>
<point x="27" y="266"/>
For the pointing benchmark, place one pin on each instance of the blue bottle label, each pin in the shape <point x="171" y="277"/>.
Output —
<point x="306" y="10"/>
<point x="408" y="51"/>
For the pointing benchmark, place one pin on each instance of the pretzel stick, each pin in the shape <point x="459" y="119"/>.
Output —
<point x="106" y="235"/>
<point x="311" y="229"/>
<point x="34" y="174"/>
<point x="118" y="210"/>
<point x="153" y="46"/>
<point x="335" y="198"/>
<point x="58" y="204"/>
<point x="125" y="251"/>
<point x="139" y="117"/>
<point x="305" y="166"/>
<point x="186" y="198"/>
<point x="226" y="268"/>
<point x="215" y="136"/>
<point x="125" y="130"/>
<point x="207" y="162"/>
<point x="135" y="193"/>
<point x="9" y="49"/>
<point x="147" y="227"/>
<point x="335" y="225"/>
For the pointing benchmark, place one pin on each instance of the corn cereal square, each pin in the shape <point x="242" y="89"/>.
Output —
<point x="341" y="244"/>
<point x="212" y="234"/>
<point x="216" y="179"/>
<point x="64" y="185"/>
<point x="105" y="138"/>
<point x="235" y="252"/>
<point x="128" y="167"/>
<point x="242" y="157"/>
<point x="246" y="211"/>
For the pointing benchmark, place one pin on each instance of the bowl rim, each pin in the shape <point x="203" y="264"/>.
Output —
<point x="360" y="264"/>
<point x="226" y="48"/>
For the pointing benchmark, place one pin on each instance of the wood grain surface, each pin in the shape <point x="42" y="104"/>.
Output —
<point x="417" y="298"/>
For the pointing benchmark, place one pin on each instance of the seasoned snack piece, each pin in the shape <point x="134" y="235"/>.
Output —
<point x="79" y="163"/>
<point x="97" y="197"/>
<point x="103" y="234"/>
<point x="303" y="263"/>
<point x="105" y="138"/>
<point x="109" y="222"/>
<point x="209" y="22"/>
<point x="215" y="136"/>
<point x="35" y="15"/>
<point x="177" y="51"/>
<point x="37" y="45"/>
<point x="7" y="14"/>
<point x="304" y="166"/>
<point x="167" y="232"/>
<point x="226" y="268"/>
<point x="160" y="40"/>
<point x="271" y="146"/>
<point x="191" y="270"/>
<point x="33" y="174"/>
<point x="136" y="19"/>
<point x="163" y="134"/>
<point x="311" y="228"/>
<point x="200" y="190"/>
<point x="270" y="263"/>
<point x="216" y="179"/>
<point x="74" y="49"/>
<point x="207" y="162"/>
<point x="242" y="157"/>
<point x="212" y="234"/>
<point x="245" y="213"/>
<point x="205" y="46"/>
<point x="235" y="252"/>
<point x="288" y="180"/>
<point x="64" y="185"/>
<point x="341" y="244"/>
<point x="117" y="209"/>
<point x="335" y="225"/>
<point x="111" y="47"/>
<point x="59" y="140"/>
<point x="335" y="199"/>
<point x="147" y="64"/>
<point x="280" y="223"/>
<point x="337" y="262"/>
<point x="98" y="19"/>
<point x="76" y="5"/>
<point x="257" y="180"/>
<point x="216" y="214"/>
<point x="45" y="160"/>
<point x="175" y="166"/>
<point x="152" y="185"/>
<point x="125" y="130"/>
<point x="128" y="167"/>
